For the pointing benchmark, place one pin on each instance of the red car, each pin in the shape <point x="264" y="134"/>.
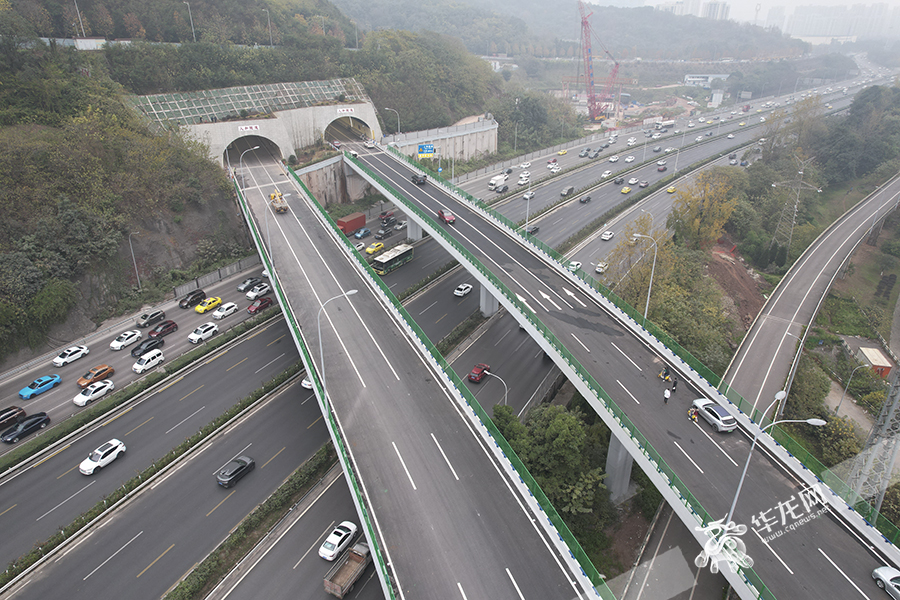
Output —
<point x="478" y="372"/>
<point x="163" y="329"/>
<point x="551" y="161"/>
<point x="446" y="216"/>
<point x="259" y="305"/>
<point x="661" y="168"/>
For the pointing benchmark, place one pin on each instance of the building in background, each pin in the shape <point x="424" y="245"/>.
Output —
<point x="776" y="18"/>
<point x="717" y="11"/>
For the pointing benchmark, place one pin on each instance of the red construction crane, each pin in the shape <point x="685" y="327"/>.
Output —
<point x="597" y="106"/>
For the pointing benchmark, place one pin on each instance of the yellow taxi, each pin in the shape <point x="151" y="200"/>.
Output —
<point x="561" y="152"/>
<point x="625" y="190"/>
<point x="208" y="304"/>
<point x="671" y="189"/>
<point x="376" y="247"/>
<point x="741" y="123"/>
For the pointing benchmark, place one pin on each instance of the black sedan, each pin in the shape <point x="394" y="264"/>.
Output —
<point x="248" y="283"/>
<point x="26" y="426"/>
<point x="192" y="299"/>
<point x="147" y="346"/>
<point x="231" y="473"/>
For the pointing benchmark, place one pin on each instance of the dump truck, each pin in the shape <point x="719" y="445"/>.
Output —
<point x="279" y="204"/>
<point x="339" y="580"/>
<point x="351" y="223"/>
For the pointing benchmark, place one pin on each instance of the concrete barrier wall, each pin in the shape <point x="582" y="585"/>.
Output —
<point x="217" y="275"/>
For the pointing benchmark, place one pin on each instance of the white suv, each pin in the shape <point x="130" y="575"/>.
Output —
<point x="102" y="456"/>
<point x="148" y="361"/>
<point x="203" y="333"/>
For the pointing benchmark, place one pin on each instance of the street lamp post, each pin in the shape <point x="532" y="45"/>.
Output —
<point x="269" y="20"/>
<point x="528" y="205"/>
<point x="505" y="388"/>
<point x="652" y="271"/>
<point x="322" y="346"/>
<point x="241" y="163"/>
<point x="677" y="154"/>
<point x="191" y="16"/>
<point x="846" y="388"/>
<point x="136" y="274"/>
<point x="398" y="122"/>
<point x="778" y="397"/>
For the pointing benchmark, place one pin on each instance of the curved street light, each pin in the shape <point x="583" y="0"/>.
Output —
<point x="398" y="121"/>
<point x="241" y="163"/>
<point x="846" y="387"/>
<point x="138" y="275"/>
<point x="190" y="14"/>
<point x="652" y="272"/>
<point x="505" y="388"/>
<point x="778" y="397"/>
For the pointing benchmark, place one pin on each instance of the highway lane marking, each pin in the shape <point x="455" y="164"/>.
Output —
<point x="220" y="503"/>
<point x="170" y="385"/>
<point x="622" y="352"/>
<point x="113" y="556"/>
<point x="46" y="458"/>
<point x="157" y="558"/>
<point x="522" y="343"/>
<point x="442" y="318"/>
<point x="67" y="472"/>
<point x="622" y="385"/>
<point x="704" y="432"/>
<point x="236" y="364"/>
<point x="275" y="340"/>
<point x="404" y="466"/>
<point x="525" y="302"/>
<point x="515" y="585"/>
<point x="317" y="542"/>
<point x="688" y="457"/>
<point x="126" y="411"/>
<point x="838" y="569"/>
<point x="314" y="422"/>
<point x="273" y="458"/>
<point x="427" y="307"/>
<point x="501" y="337"/>
<point x="185" y="419"/>
<point x="191" y="392"/>
<point x="8" y="509"/>
<point x="783" y="564"/>
<point x="580" y="342"/>
<point x="546" y="297"/>
<point x="574" y="297"/>
<point x="139" y="426"/>
<point x="64" y="501"/>
<point x="269" y="363"/>
<point x="447" y="460"/>
<point x="461" y="592"/>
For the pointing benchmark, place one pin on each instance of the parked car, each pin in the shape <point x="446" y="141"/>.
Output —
<point x="532" y="229"/>
<point x="715" y="414"/>
<point x="208" y="304"/>
<point x="662" y="168"/>
<point x="633" y="181"/>
<point x="10" y="415"/>
<point x="462" y="289"/>
<point x="25" y="427"/>
<point x="614" y="158"/>
<point x="259" y="305"/>
<point x="478" y="372"/>
<point x="257" y="291"/>
<point x="619" y="180"/>
<point x="192" y="299"/>
<point x="248" y="283"/>
<point x="95" y="374"/>
<point x="573" y="265"/>
<point x="643" y="184"/>
<point x="384" y="233"/>
<point x="362" y="232"/>
<point x="338" y="540"/>
<point x="888" y="579"/>
<point x="419" y="179"/>
<point x="584" y="199"/>
<point x="96" y="390"/>
<point x="400" y="226"/>
<point x="234" y="471"/>
<point x="147" y="346"/>
<point x="163" y="329"/>
<point x="149" y="318"/>
<point x="601" y="267"/>
<point x="528" y="196"/>
<point x="375" y="248"/>
<point x="501" y="189"/>
<point x="607" y="235"/>
<point x="72" y="353"/>
<point x="102" y="456"/>
<point x="626" y="189"/>
<point x="605" y="174"/>
<point x="203" y="333"/>
<point x="629" y="159"/>
<point x="229" y="308"/>
<point x="147" y="361"/>
<point x="388" y="221"/>
<point x="126" y="338"/>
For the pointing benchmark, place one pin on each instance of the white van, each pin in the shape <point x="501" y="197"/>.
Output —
<point x="497" y="180"/>
<point x="632" y="141"/>
<point x="148" y="361"/>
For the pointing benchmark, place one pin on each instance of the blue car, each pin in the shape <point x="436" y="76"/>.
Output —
<point x="39" y="386"/>
<point x="364" y="232"/>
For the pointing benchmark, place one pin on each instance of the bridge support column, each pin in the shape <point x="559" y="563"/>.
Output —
<point x="413" y="231"/>
<point x="618" y="470"/>
<point x="489" y="304"/>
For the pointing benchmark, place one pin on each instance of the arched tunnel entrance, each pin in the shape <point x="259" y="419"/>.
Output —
<point x="348" y="129"/>
<point x="243" y="146"/>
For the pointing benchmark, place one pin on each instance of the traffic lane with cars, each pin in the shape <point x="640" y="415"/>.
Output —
<point x="428" y="258"/>
<point x="58" y="401"/>
<point x="603" y="347"/>
<point x="50" y="492"/>
<point x="293" y="568"/>
<point x="174" y="523"/>
<point x="406" y="434"/>
<point x="438" y="311"/>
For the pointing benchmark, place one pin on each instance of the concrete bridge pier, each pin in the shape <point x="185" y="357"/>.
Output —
<point x="489" y="305"/>
<point x="618" y="470"/>
<point x="413" y="230"/>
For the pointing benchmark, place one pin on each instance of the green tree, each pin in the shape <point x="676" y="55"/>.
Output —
<point x="700" y="211"/>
